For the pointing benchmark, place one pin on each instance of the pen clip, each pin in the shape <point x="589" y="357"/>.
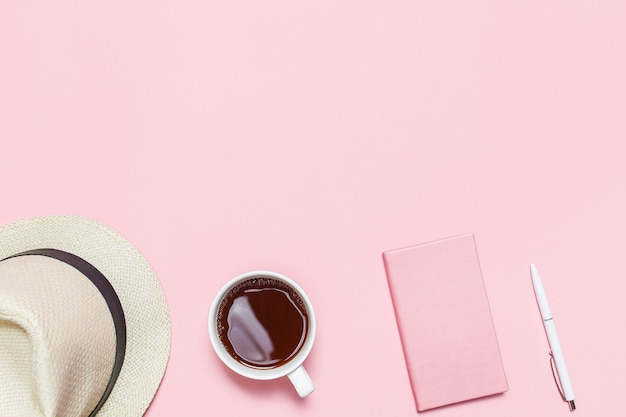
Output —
<point x="556" y="379"/>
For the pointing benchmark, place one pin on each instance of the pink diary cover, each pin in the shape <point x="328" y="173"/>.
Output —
<point x="445" y="323"/>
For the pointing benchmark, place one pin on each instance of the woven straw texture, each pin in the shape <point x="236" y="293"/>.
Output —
<point x="145" y="308"/>
<point x="57" y="339"/>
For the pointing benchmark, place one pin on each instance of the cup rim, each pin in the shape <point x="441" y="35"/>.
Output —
<point x="247" y="371"/>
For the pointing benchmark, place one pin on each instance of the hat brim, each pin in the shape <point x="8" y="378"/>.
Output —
<point x="148" y="326"/>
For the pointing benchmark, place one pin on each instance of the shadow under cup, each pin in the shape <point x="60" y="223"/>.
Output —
<point x="262" y="326"/>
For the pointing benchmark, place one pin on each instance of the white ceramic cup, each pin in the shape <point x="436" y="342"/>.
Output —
<point x="292" y="368"/>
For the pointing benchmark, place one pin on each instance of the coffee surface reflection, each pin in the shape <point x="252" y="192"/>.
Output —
<point x="262" y="322"/>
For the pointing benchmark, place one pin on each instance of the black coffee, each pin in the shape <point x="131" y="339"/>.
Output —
<point x="262" y="322"/>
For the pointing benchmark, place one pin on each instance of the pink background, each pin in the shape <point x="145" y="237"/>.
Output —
<point x="307" y="138"/>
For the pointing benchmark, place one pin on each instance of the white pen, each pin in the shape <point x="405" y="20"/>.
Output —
<point x="553" y="338"/>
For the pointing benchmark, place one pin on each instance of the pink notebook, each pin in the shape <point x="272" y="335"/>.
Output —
<point x="445" y="323"/>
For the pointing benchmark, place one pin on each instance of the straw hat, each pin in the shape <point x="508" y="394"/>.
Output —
<point x="84" y="325"/>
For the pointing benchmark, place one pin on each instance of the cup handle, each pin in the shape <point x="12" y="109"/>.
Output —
<point x="301" y="381"/>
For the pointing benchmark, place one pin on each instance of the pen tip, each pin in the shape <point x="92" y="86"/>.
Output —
<point x="533" y="271"/>
<point x="572" y="406"/>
